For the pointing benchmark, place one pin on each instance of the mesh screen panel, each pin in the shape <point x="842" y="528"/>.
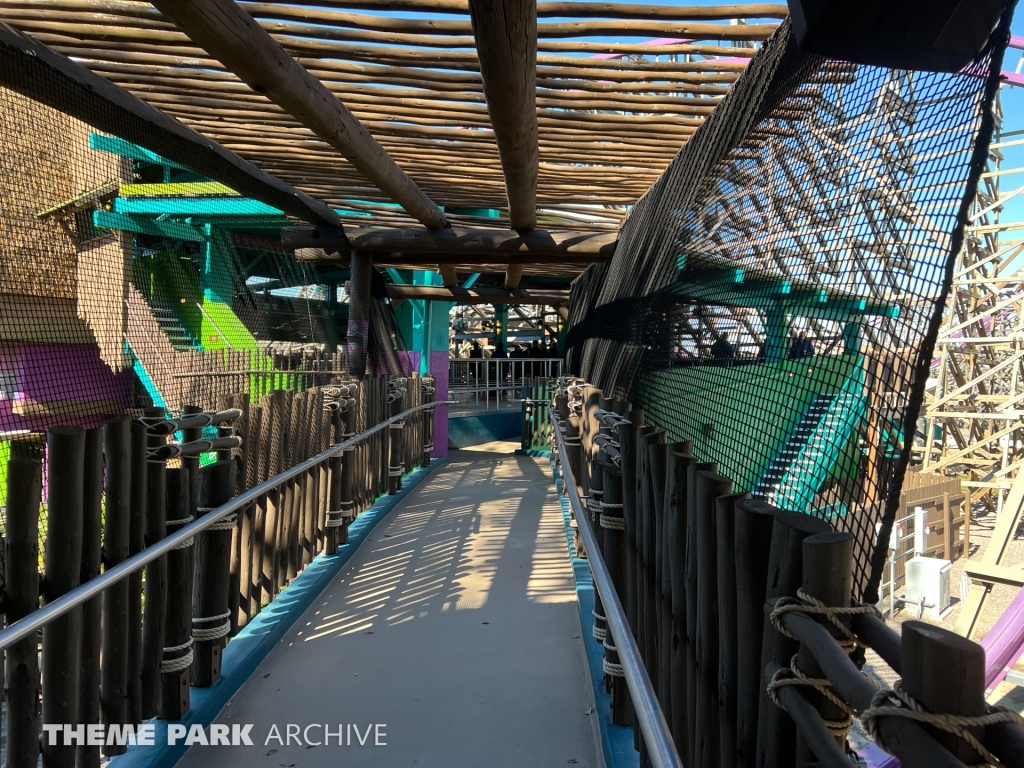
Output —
<point x="129" y="280"/>
<point x="775" y="296"/>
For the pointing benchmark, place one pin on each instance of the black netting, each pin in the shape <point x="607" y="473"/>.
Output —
<point x="775" y="296"/>
<point x="129" y="279"/>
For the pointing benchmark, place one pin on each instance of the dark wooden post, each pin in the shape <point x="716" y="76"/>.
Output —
<point x="728" y="639"/>
<point x="753" y="538"/>
<point x="270" y="457"/>
<point x="65" y="449"/>
<point x="255" y="432"/>
<point x="136" y="543"/>
<point x="293" y="489"/>
<point x="211" y="616"/>
<point x="945" y="674"/>
<point x="311" y="414"/>
<point x="21" y="674"/>
<point x="675" y="544"/>
<point x="776" y="733"/>
<point x="358" y="312"/>
<point x="691" y="578"/>
<point x="627" y="452"/>
<point x="613" y="525"/>
<point x="710" y="486"/>
<point x="394" y="439"/>
<point x="92" y="514"/>
<point x="334" y="519"/>
<point x="660" y="596"/>
<point x="154" y="611"/>
<point x="642" y="496"/>
<point x="827" y="576"/>
<point x="177" y="654"/>
<point x="116" y="532"/>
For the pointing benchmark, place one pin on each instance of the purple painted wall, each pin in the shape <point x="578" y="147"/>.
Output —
<point x="54" y="373"/>
<point x="439" y="367"/>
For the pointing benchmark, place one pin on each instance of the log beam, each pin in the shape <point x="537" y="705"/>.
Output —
<point x="506" y="44"/>
<point x="478" y="295"/>
<point x="454" y="244"/>
<point x="38" y="72"/>
<point x="234" y="38"/>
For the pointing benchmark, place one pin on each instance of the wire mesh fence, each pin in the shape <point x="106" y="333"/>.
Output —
<point x="775" y="296"/>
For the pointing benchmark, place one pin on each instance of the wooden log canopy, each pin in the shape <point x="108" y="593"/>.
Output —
<point x="36" y="71"/>
<point x="235" y="39"/>
<point x="506" y="42"/>
<point x="479" y="295"/>
<point x="606" y="125"/>
<point x="454" y="244"/>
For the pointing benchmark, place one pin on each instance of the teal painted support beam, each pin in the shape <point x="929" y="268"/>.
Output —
<point x="170" y="229"/>
<point x="196" y="206"/>
<point x="776" y="327"/>
<point x="218" y="265"/>
<point x="851" y="339"/>
<point x="471" y="280"/>
<point x="126" y="149"/>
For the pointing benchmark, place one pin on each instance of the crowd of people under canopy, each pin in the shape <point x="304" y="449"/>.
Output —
<point x="537" y="350"/>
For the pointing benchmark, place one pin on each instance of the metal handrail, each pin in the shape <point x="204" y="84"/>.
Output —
<point x="658" y="739"/>
<point x="19" y="630"/>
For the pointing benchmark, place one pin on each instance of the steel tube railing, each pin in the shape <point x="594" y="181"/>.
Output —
<point x="30" y="624"/>
<point x="658" y="739"/>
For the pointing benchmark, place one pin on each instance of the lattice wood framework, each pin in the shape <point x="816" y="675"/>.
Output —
<point x="609" y="116"/>
<point x="974" y="418"/>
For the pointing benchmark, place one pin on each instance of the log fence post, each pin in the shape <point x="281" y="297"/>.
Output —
<point x="211" y="614"/>
<point x="828" y="577"/>
<point x="945" y="673"/>
<point x="177" y="652"/>
<point x="21" y="665"/>
<point x="62" y="562"/>
<point x="678" y="460"/>
<point x="776" y="733"/>
<point x="113" y="693"/>
<point x="154" y="615"/>
<point x="92" y="533"/>
<point x="136" y="543"/>
<point x="729" y="640"/>
<point x="710" y="486"/>
<point x="752" y="547"/>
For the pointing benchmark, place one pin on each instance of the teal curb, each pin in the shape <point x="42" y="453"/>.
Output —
<point x="616" y="740"/>
<point x="250" y="646"/>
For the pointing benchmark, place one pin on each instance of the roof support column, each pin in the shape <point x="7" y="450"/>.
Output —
<point x="358" y="312"/>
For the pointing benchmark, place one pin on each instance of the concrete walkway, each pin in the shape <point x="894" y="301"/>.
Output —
<point x="455" y="627"/>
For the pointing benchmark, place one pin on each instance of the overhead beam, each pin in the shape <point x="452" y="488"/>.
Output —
<point x="478" y="295"/>
<point x="506" y="44"/>
<point x="32" y="69"/>
<point x="230" y="35"/>
<point x="455" y="243"/>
